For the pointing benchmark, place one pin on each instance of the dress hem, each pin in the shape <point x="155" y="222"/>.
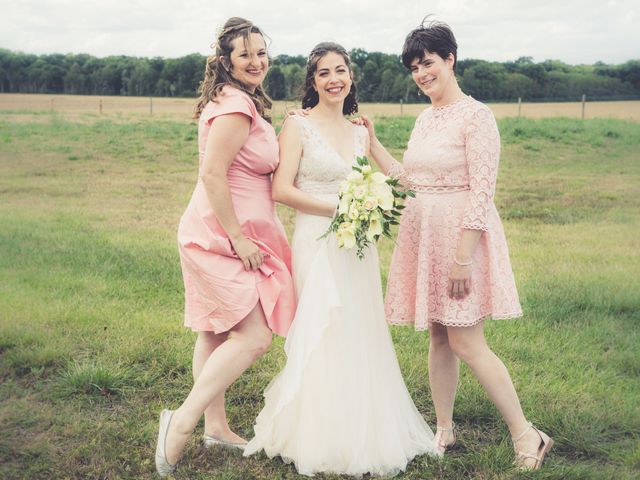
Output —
<point x="422" y="327"/>
<point x="354" y="473"/>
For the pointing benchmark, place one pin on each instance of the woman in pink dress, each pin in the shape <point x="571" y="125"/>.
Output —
<point x="450" y="270"/>
<point x="235" y="258"/>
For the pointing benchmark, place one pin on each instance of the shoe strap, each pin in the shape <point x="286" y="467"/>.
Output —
<point x="443" y="429"/>
<point x="524" y="432"/>
<point x="527" y="455"/>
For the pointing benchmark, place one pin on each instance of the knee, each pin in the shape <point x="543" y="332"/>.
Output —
<point x="466" y="351"/>
<point x="261" y="343"/>
<point x="255" y="343"/>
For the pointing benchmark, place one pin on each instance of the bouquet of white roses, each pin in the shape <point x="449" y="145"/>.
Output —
<point x="369" y="203"/>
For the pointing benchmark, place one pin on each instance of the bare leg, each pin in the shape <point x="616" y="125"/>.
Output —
<point x="246" y="342"/>
<point x="443" y="379"/>
<point x="215" y="418"/>
<point x="470" y="346"/>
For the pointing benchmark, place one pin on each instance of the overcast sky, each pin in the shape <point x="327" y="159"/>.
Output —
<point x="572" y="31"/>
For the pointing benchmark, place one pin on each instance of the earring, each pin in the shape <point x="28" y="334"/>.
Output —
<point x="419" y="92"/>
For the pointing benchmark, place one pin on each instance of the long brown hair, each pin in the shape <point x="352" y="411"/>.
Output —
<point x="310" y="96"/>
<point x="216" y="76"/>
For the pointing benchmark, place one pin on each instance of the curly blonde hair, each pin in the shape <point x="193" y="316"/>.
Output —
<point x="216" y="76"/>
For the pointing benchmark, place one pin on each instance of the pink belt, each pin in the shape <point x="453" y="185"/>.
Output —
<point x="439" y="188"/>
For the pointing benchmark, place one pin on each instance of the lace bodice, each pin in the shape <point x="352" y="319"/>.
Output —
<point x="321" y="168"/>
<point x="455" y="147"/>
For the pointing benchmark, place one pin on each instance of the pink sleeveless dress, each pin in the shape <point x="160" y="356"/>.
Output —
<point x="452" y="164"/>
<point x="219" y="293"/>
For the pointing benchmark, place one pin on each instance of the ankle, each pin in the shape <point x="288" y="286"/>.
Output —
<point x="216" y="429"/>
<point x="520" y="430"/>
<point x="180" y="425"/>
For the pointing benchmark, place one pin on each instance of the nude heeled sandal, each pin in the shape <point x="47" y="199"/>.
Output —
<point x="546" y="442"/>
<point x="441" y="447"/>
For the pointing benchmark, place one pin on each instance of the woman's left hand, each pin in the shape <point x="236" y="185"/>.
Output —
<point x="459" y="281"/>
<point x="302" y="112"/>
<point x="366" y="122"/>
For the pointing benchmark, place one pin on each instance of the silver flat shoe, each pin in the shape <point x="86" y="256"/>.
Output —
<point x="210" y="442"/>
<point x="163" y="467"/>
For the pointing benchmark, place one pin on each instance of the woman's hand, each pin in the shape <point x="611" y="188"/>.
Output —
<point x="368" y="123"/>
<point x="302" y="112"/>
<point x="459" y="281"/>
<point x="248" y="252"/>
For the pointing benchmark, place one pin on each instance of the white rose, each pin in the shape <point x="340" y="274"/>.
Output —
<point x="355" y="177"/>
<point x="370" y="203"/>
<point x="366" y="169"/>
<point x="359" y="192"/>
<point x="386" y="202"/>
<point x="380" y="189"/>
<point x="379" y="177"/>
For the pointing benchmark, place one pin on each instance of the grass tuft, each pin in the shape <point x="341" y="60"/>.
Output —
<point x="92" y="379"/>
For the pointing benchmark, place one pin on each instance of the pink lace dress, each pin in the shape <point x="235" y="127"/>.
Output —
<point x="452" y="163"/>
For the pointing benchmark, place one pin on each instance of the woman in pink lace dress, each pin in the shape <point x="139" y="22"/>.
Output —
<point x="450" y="270"/>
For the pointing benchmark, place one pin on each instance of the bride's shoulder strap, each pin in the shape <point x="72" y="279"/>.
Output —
<point x="301" y="122"/>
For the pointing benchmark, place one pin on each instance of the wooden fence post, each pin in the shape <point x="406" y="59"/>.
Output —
<point x="401" y="111"/>
<point x="519" y="107"/>
<point x="584" y="99"/>
<point x="150" y="105"/>
<point x="100" y="106"/>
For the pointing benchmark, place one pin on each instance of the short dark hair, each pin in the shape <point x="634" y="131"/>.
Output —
<point x="431" y="36"/>
<point x="310" y="97"/>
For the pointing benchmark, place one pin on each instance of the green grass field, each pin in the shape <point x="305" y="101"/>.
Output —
<point x="91" y="342"/>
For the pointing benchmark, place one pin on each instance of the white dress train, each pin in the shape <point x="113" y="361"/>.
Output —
<point x="340" y="404"/>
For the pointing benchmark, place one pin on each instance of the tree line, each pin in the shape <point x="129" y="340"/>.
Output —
<point x="380" y="77"/>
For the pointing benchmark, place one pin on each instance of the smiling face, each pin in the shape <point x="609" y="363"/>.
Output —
<point x="249" y="60"/>
<point x="332" y="79"/>
<point x="433" y="74"/>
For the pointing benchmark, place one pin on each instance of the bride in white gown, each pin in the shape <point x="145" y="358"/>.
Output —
<point x="340" y="404"/>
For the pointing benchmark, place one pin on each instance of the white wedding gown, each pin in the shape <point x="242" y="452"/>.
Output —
<point x="340" y="404"/>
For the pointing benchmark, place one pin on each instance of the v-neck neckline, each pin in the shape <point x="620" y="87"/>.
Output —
<point x="335" y="151"/>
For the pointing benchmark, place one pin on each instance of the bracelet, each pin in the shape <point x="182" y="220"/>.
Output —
<point x="462" y="264"/>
